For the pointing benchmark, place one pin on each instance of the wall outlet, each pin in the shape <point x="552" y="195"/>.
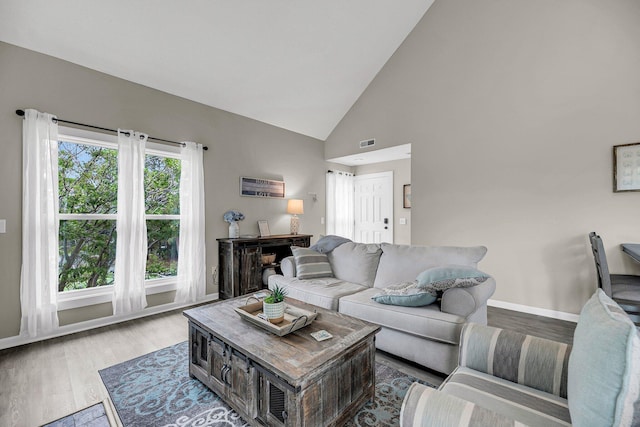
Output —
<point x="403" y="221"/>
<point x="3" y="225"/>
<point x="321" y="220"/>
<point x="214" y="273"/>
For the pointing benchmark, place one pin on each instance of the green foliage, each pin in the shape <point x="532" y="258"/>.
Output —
<point x="88" y="184"/>
<point x="277" y="295"/>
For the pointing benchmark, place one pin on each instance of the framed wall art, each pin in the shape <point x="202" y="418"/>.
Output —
<point x="406" y="196"/>
<point x="626" y="167"/>
<point x="259" y="187"/>
<point x="263" y="225"/>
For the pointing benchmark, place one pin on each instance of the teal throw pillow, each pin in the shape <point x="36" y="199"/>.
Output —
<point x="450" y="276"/>
<point x="311" y="264"/>
<point x="406" y="294"/>
<point x="603" y="382"/>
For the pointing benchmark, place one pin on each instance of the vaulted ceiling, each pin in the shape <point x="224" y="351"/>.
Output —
<point x="298" y="65"/>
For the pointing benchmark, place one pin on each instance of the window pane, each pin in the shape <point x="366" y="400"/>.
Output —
<point x="162" y="185"/>
<point x="162" y="244"/>
<point x="87" y="178"/>
<point x="87" y="254"/>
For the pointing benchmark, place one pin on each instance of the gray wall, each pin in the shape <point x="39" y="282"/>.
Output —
<point x="237" y="147"/>
<point x="401" y="175"/>
<point x="512" y="108"/>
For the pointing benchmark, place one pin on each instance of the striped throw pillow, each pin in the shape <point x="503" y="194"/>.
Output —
<point x="311" y="264"/>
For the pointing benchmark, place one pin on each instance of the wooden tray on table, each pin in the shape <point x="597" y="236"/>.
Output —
<point x="294" y="318"/>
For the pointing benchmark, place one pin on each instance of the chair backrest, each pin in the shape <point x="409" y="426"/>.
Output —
<point x="604" y="279"/>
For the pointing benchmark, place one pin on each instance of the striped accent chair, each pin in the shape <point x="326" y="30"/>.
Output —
<point x="505" y="378"/>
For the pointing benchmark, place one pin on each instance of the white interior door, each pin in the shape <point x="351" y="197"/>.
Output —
<point x="374" y="208"/>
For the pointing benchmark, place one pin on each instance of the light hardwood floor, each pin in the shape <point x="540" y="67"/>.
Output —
<point x="44" y="381"/>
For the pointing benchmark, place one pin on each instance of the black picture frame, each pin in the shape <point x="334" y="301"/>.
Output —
<point x="626" y="167"/>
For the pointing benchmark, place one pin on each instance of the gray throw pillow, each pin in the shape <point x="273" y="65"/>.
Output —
<point x="406" y="294"/>
<point x="450" y="276"/>
<point x="311" y="264"/>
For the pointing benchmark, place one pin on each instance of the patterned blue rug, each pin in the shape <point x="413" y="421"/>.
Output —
<point x="156" y="390"/>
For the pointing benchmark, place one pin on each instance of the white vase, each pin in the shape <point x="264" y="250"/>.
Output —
<point x="274" y="312"/>
<point x="234" y="230"/>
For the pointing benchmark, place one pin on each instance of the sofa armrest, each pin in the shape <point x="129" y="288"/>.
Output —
<point x="466" y="301"/>
<point x="288" y="267"/>
<point x="523" y="359"/>
<point x="425" y="406"/>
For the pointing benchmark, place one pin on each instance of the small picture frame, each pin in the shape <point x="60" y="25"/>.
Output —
<point x="626" y="167"/>
<point x="263" y="225"/>
<point x="406" y="196"/>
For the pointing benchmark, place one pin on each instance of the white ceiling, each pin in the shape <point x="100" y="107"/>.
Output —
<point x="397" y="152"/>
<point x="299" y="65"/>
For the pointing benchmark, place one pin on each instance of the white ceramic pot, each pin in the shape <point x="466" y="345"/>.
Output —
<point x="274" y="312"/>
<point x="234" y="230"/>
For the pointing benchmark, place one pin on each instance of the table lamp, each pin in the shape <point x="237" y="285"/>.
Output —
<point x="295" y="207"/>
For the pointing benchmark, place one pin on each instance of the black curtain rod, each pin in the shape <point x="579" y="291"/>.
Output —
<point x="21" y="113"/>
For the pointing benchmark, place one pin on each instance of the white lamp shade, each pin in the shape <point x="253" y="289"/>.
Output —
<point x="295" y="207"/>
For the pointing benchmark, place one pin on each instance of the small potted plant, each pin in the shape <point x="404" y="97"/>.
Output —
<point x="273" y="305"/>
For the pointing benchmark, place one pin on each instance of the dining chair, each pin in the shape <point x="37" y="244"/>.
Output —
<point x="622" y="288"/>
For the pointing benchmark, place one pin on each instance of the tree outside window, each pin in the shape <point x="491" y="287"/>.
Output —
<point x="87" y="178"/>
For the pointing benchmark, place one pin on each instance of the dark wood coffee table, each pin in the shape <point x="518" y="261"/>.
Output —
<point x="292" y="380"/>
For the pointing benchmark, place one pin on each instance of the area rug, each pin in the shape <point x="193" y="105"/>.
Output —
<point x="156" y="390"/>
<point x="97" y="415"/>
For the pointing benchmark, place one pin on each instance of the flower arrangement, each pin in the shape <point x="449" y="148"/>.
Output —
<point x="233" y="216"/>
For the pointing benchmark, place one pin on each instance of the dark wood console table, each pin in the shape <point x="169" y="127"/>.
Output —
<point x="240" y="261"/>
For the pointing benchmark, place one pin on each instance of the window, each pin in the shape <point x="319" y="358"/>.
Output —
<point x="88" y="194"/>
<point x="162" y="200"/>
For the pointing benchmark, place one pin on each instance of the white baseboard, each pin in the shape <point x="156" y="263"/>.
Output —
<point x="561" y="315"/>
<point x="97" y="323"/>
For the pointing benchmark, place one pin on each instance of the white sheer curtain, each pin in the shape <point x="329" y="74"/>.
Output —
<point x="39" y="275"/>
<point x="340" y="204"/>
<point x="131" y="246"/>
<point x="191" y="250"/>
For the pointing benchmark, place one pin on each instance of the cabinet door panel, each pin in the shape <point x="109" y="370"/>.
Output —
<point x="240" y="382"/>
<point x="251" y="270"/>
<point x="199" y="353"/>
<point x="226" y="271"/>
<point x="218" y="363"/>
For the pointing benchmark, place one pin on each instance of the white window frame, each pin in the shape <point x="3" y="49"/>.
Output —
<point x="103" y="294"/>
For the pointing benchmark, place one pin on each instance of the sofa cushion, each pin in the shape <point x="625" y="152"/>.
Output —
<point x="524" y="359"/>
<point x="288" y="266"/>
<point x="425" y="406"/>
<point x="311" y="264"/>
<point x="406" y="294"/>
<point x="450" y="276"/>
<point x="524" y="404"/>
<point x="355" y="262"/>
<point x="324" y="292"/>
<point x="401" y="263"/>
<point x="427" y="322"/>
<point x="604" y="366"/>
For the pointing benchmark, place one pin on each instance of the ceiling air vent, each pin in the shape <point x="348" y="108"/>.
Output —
<point x="367" y="143"/>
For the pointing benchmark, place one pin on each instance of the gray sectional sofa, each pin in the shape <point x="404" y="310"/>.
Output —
<point x="428" y="335"/>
